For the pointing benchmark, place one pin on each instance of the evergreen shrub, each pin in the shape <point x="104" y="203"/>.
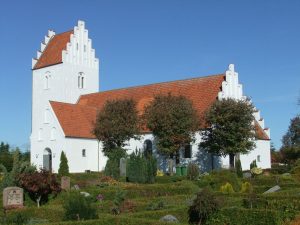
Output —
<point x="63" y="166"/>
<point x="78" y="207"/>
<point x="141" y="169"/>
<point x="226" y="188"/>
<point x="246" y="187"/>
<point x="238" y="168"/>
<point x="112" y="167"/>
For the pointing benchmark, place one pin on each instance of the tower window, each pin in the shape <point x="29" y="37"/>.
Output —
<point x="47" y="80"/>
<point x="83" y="153"/>
<point x="81" y="81"/>
<point x="84" y="48"/>
<point x="40" y="133"/>
<point x="53" y="133"/>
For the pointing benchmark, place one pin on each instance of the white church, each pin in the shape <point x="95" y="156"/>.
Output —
<point x="66" y="97"/>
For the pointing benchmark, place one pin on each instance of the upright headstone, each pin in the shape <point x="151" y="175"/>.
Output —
<point x="13" y="198"/>
<point x="65" y="183"/>
<point x="123" y="167"/>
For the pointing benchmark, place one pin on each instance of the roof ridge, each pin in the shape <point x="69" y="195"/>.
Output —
<point x="145" y="85"/>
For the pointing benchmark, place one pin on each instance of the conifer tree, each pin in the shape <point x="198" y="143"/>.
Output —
<point x="63" y="166"/>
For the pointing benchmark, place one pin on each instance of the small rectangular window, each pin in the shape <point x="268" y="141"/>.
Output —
<point x="188" y="151"/>
<point x="84" y="48"/>
<point x="83" y="153"/>
<point x="258" y="158"/>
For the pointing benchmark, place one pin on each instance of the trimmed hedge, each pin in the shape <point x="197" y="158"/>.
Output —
<point x="237" y="216"/>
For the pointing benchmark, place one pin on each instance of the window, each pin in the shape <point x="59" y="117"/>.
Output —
<point x="47" y="116"/>
<point x="84" y="48"/>
<point x="258" y="158"/>
<point x="81" y="82"/>
<point x="83" y="153"/>
<point x="148" y="147"/>
<point x="47" y="80"/>
<point x="53" y="133"/>
<point x="77" y="46"/>
<point x="187" y="151"/>
<point x="40" y="133"/>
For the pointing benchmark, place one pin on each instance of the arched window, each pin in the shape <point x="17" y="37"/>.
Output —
<point x="188" y="151"/>
<point x="47" y="116"/>
<point x="53" y="133"/>
<point x="81" y="81"/>
<point x="40" y="133"/>
<point x="148" y="147"/>
<point x="47" y="80"/>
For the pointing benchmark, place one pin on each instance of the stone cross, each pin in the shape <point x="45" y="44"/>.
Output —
<point x="123" y="167"/>
<point x="65" y="183"/>
<point x="13" y="198"/>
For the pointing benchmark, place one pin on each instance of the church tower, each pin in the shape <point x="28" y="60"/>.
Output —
<point x="65" y="68"/>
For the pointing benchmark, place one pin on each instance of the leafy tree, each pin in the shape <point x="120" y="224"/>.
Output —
<point x="231" y="128"/>
<point x="173" y="121"/>
<point x="6" y="158"/>
<point x="63" y="166"/>
<point x="116" y="123"/>
<point x="39" y="184"/>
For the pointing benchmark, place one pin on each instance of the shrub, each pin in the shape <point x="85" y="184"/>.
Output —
<point x="112" y="167"/>
<point x="78" y="207"/>
<point x="246" y="187"/>
<point x="118" y="201"/>
<point x="253" y="164"/>
<point x="140" y="169"/>
<point x="63" y="166"/>
<point x="238" y="168"/>
<point x="226" y="188"/>
<point x="204" y="205"/>
<point x="192" y="171"/>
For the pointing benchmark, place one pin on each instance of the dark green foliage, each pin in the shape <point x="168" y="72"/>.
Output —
<point x="253" y="164"/>
<point x="141" y="169"/>
<point x="78" y="207"/>
<point x="193" y="171"/>
<point x="112" y="167"/>
<point x="118" y="201"/>
<point x="116" y="123"/>
<point x="63" y="166"/>
<point x="232" y="129"/>
<point x="173" y="121"/>
<point x="15" y="219"/>
<point x="237" y="216"/>
<point x="238" y="168"/>
<point x="6" y="158"/>
<point x="204" y="205"/>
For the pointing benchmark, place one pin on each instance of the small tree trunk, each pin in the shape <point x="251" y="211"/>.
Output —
<point x="38" y="201"/>
<point x="231" y="160"/>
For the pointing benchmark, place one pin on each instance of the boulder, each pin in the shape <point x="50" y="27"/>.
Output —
<point x="272" y="189"/>
<point x="169" y="218"/>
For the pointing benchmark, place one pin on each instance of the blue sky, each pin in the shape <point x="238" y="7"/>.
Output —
<point x="141" y="42"/>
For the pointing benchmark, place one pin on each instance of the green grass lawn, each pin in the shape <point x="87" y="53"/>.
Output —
<point x="147" y="203"/>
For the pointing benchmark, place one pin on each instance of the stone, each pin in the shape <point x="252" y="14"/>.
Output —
<point x="65" y="183"/>
<point x="273" y="189"/>
<point x="13" y="198"/>
<point x="85" y="194"/>
<point x="123" y="167"/>
<point x="76" y="187"/>
<point x="247" y="175"/>
<point x="169" y="218"/>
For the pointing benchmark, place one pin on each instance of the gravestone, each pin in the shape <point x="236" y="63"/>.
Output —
<point x="65" y="183"/>
<point x="169" y="218"/>
<point x="13" y="198"/>
<point x="273" y="189"/>
<point x="76" y="187"/>
<point x="123" y="167"/>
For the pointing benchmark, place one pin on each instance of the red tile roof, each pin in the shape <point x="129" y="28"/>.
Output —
<point x="260" y="133"/>
<point x="77" y="119"/>
<point x="52" y="53"/>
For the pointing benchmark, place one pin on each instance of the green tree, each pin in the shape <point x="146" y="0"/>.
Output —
<point x="116" y="123"/>
<point x="6" y="157"/>
<point x="231" y="128"/>
<point x="63" y="166"/>
<point x="173" y="121"/>
<point x="238" y="168"/>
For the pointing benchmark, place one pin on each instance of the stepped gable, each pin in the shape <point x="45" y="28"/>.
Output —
<point x="52" y="53"/>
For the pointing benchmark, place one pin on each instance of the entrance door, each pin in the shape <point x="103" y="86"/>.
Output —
<point x="47" y="159"/>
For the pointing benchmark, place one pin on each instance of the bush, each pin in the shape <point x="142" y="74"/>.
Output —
<point x="118" y="201"/>
<point x="141" y="169"/>
<point x="192" y="171"/>
<point x="204" y="205"/>
<point x="112" y="167"/>
<point x="63" y="166"/>
<point x="226" y="188"/>
<point x="78" y="207"/>
<point x="246" y="187"/>
<point x="238" y="168"/>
